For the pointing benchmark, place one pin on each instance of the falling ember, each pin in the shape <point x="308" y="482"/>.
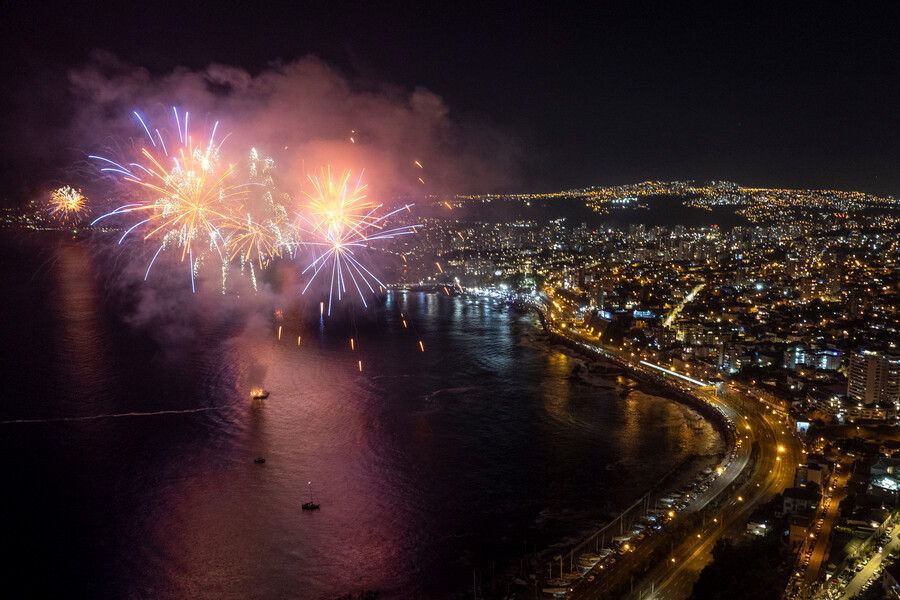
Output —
<point x="447" y="204"/>
<point x="298" y="340"/>
<point x="422" y="181"/>
<point x="360" y="366"/>
<point x="404" y="323"/>
<point x="321" y="308"/>
<point x="279" y="332"/>
<point x="352" y="347"/>
<point x="421" y="346"/>
<point x="418" y="164"/>
<point x="446" y="291"/>
<point x="439" y="267"/>
<point x="352" y="141"/>
<point x="460" y="235"/>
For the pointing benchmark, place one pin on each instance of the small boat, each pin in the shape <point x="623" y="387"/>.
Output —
<point x="556" y="591"/>
<point x="588" y="562"/>
<point x="260" y="394"/>
<point x="311" y="505"/>
<point x="259" y="461"/>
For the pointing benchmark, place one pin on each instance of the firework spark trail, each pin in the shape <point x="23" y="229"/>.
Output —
<point x="253" y="241"/>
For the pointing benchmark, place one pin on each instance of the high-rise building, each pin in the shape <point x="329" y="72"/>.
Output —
<point x="874" y="378"/>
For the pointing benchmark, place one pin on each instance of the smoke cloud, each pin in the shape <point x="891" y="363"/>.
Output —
<point x="303" y="113"/>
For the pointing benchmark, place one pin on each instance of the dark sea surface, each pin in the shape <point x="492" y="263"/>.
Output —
<point x="429" y="466"/>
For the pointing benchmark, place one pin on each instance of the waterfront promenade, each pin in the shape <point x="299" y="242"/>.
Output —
<point x="761" y="454"/>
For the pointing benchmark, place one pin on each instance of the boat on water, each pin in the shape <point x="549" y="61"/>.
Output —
<point x="556" y="591"/>
<point x="312" y="504"/>
<point x="259" y="394"/>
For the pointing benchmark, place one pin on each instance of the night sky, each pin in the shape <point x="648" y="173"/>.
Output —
<point x="796" y="96"/>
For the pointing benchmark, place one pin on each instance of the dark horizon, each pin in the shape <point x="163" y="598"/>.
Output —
<point x="780" y="98"/>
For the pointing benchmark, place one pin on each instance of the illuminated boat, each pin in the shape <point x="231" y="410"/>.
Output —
<point x="260" y="394"/>
<point x="311" y="505"/>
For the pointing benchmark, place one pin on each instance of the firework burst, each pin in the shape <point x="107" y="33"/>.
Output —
<point x="189" y="203"/>
<point x="189" y="193"/>
<point x="339" y="224"/>
<point x="335" y="205"/>
<point x="68" y="205"/>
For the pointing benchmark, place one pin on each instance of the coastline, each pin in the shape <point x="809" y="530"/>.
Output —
<point x="681" y="479"/>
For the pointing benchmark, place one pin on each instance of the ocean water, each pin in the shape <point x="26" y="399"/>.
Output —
<point x="128" y="439"/>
